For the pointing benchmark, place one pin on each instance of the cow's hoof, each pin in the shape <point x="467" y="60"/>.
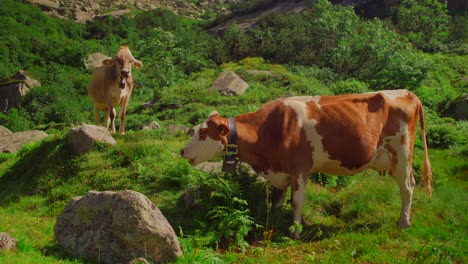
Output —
<point x="404" y="224"/>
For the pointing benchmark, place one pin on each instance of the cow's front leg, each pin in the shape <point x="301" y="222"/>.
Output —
<point x="298" y="186"/>
<point x="112" y="115"/>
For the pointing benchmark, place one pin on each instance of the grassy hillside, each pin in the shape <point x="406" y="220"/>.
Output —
<point x="348" y="219"/>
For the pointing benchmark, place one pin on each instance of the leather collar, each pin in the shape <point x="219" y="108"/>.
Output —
<point x="230" y="156"/>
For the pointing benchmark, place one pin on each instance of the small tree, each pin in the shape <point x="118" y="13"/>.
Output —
<point x="425" y="22"/>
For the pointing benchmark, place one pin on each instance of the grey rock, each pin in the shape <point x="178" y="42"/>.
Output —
<point x="229" y="83"/>
<point x="7" y="242"/>
<point x="94" y="60"/>
<point x="458" y="109"/>
<point x="4" y="131"/>
<point x="83" y="137"/>
<point x="15" y="141"/>
<point x="152" y="125"/>
<point x="116" y="227"/>
<point x="14" y="88"/>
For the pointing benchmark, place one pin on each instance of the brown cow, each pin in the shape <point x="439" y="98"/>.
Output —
<point x="111" y="85"/>
<point x="288" y="139"/>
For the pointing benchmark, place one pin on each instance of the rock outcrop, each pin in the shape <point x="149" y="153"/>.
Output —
<point x="116" y="227"/>
<point x="458" y="109"/>
<point x="229" y="83"/>
<point x="14" y="88"/>
<point x="86" y="10"/>
<point x="4" y="131"/>
<point x="94" y="60"/>
<point x="12" y="142"/>
<point x="82" y="138"/>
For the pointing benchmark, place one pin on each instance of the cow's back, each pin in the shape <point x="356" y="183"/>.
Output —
<point x="345" y="132"/>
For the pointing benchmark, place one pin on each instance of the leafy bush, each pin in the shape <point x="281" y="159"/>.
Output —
<point x="15" y="120"/>
<point x="349" y="86"/>
<point x="220" y="198"/>
<point x="425" y="22"/>
<point x="333" y="37"/>
<point x="445" y="133"/>
<point x="157" y="18"/>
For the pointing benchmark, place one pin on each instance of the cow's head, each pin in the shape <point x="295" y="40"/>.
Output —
<point x="124" y="61"/>
<point x="208" y="141"/>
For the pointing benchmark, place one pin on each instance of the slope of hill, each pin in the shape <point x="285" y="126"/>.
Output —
<point x="229" y="217"/>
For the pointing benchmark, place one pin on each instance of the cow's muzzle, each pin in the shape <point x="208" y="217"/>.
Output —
<point x="125" y="73"/>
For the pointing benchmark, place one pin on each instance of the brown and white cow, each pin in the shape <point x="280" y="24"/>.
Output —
<point x="288" y="139"/>
<point x="111" y="85"/>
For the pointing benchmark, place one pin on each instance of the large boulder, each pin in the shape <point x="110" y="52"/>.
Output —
<point x="4" y="131"/>
<point x="82" y="138"/>
<point x="229" y="83"/>
<point x="13" y="142"/>
<point x="458" y="109"/>
<point x="14" y="88"/>
<point x="7" y="242"/>
<point x="116" y="227"/>
<point x="95" y="60"/>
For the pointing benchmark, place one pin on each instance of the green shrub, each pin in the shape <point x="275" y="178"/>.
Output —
<point x="349" y="86"/>
<point x="15" y="120"/>
<point x="446" y="132"/>
<point x="331" y="36"/>
<point x="425" y="22"/>
<point x="220" y="198"/>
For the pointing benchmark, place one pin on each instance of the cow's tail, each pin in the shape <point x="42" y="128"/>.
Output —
<point x="426" y="172"/>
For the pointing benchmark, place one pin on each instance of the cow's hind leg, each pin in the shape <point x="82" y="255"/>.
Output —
<point x="277" y="199"/>
<point x="298" y="187"/>
<point x="404" y="176"/>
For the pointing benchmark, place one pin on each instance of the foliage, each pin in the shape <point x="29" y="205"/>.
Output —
<point x="220" y="198"/>
<point x="333" y="37"/>
<point x="325" y="51"/>
<point x="425" y="22"/>
<point x="160" y="58"/>
<point x="458" y="38"/>
<point x="157" y="18"/>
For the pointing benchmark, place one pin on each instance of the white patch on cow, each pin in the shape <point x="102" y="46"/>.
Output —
<point x="320" y="157"/>
<point x="305" y="99"/>
<point x="213" y="114"/>
<point x="316" y="99"/>
<point x="279" y="180"/>
<point x="393" y="94"/>
<point x="402" y="172"/>
<point x="198" y="151"/>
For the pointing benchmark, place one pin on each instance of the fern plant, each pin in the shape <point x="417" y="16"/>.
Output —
<point x="230" y="219"/>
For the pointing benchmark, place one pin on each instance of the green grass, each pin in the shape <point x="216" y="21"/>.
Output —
<point x="347" y="220"/>
<point x="351" y="224"/>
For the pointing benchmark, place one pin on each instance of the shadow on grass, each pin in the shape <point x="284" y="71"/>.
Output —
<point x="49" y="162"/>
<point x="57" y="252"/>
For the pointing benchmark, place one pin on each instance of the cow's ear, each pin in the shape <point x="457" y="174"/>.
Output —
<point x="137" y="63"/>
<point x="214" y="113"/>
<point x="107" y="62"/>
<point x="223" y="130"/>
